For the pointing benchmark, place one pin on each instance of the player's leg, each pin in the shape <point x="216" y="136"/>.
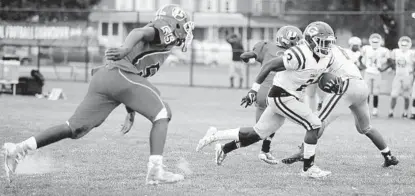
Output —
<point x="362" y="118"/>
<point x="376" y="92"/>
<point x="413" y="102"/>
<point x="90" y="113"/>
<point x="369" y="81"/>
<point x="141" y="96"/>
<point x="321" y="96"/>
<point x="240" y="72"/>
<point x="406" y="93"/>
<point x="232" y="73"/>
<point x="311" y="96"/>
<point x="396" y="90"/>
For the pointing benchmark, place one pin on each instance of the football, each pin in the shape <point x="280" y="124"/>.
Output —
<point x="324" y="79"/>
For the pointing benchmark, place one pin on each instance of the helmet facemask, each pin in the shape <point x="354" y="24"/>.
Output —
<point x="323" y="45"/>
<point x="188" y="29"/>
<point x="405" y="44"/>
<point x="375" y="42"/>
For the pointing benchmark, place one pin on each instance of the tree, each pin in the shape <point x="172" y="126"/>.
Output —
<point x="12" y="10"/>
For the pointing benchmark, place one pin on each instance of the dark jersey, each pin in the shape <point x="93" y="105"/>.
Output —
<point x="269" y="51"/>
<point x="146" y="57"/>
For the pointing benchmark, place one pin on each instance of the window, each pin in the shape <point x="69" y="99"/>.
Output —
<point x="165" y="2"/>
<point x="209" y="6"/>
<point x="271" y="33"/>
<point x="262" y="33"/>
<point x="144" y="5"/>
<point x="199" y="34"/>
<point x="104" y="28"/>
<point x="124" y="5"/>
<point x="114" y="28"/>
<point x="228" y="6"/>
<point x="268" y="7"/>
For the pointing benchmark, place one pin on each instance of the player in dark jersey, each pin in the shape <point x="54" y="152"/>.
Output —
<point x="262" y="52"/>
<point x="123" y="80"/>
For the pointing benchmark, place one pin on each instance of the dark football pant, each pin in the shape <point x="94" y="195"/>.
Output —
<point x="108" y="89"/>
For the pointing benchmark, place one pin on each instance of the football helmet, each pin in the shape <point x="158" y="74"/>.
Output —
<point x="375" y="40"/>
<point x="288" y="36"/>
<point x="405" y="43"/>
<point x="355" y="43"/>
<point x="320" y="37"/>
<point x="179" y="22"/>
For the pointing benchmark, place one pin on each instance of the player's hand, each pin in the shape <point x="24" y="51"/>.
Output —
<point x="128" y="122"/>
<point x="116" y="53"/>
<point x="249" y="99"/>
<point x="334" y="86"/>
<point x="246" y="56"/>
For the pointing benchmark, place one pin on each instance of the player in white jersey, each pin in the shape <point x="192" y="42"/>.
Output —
<point x="402" y="61"/>
<point x="353" y="96"/>
<point x="374" y="56"/>
<point x="354" y="52"/>
<point x="299" y="67"/>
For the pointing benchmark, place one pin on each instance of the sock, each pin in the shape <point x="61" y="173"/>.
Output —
<point x="266" y="145"/>
<point x="309" y="154"/>
<point x="241" y="81"/>
<point x="375" y="101"/>
<point x="413" y="106"/>
<point x="231" y="80"/>
<point x="230" y="146"/>
<point x="386" y="153"/>
<point x="393" y="104"/>
<point x="156" y="159"/>
<point x="406" y="104"/>
<point x="52" y="135"/>
<point x="29" y="144"/>
<point x="229" y="134"/>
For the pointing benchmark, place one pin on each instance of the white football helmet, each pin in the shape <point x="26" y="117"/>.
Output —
<point x="405" y="43"/>
<point x="375" y="40"/>
<point x="355" y="41"/>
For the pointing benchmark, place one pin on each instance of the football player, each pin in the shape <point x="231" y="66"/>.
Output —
<point x="352" y="95"/>
<point x="264" y="51"/>
<point x="123" y="79"/>
<point x="402" y="61"/>
<point x="374" y="56"/>
<point x="354" y="52"/>
<point x="299" y="67"/>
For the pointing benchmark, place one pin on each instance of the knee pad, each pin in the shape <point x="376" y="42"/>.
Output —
<point x="164" y="113"/>
<point x="79" y="132"/>
<point x="315" y="122"/>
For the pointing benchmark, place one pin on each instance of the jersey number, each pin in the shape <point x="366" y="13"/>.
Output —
<point x="302" y="87"/>
<point x="149" y="70"/>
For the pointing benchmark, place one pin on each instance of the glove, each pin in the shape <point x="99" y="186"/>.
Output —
<point x="128" y="122"/>
<point x="249" y="99"/>
<point x="334" y="85"/>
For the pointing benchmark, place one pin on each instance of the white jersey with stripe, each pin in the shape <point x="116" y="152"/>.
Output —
<point x="302" y="69"/>
<point x="354" y="56"/>
<point x="404" y="61"/>
<point x="343" y="65"/>
<point x="374" y="58"/>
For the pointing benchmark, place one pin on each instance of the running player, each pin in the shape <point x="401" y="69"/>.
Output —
<point x="264" y="51"/>
<point x="299" y="66"/>
<point x="354" y="52"/>
<point x="402" y="61"/>
<point x="353" y="96"/>
<point x="373" y="58"/>
<point x="123" y="80"/>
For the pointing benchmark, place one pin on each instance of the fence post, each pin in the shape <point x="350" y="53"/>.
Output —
<point x="248" y="34"/>
<point x="192" y="57"/>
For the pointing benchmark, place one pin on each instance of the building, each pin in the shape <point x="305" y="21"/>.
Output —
<point x="213" y="18"/>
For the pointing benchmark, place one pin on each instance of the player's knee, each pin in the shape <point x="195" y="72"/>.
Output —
<point x="78" y="132"/>
<point x="164" y="113"/>
<point x="315" y="122"/>
<point x="365" y="130"/>
<point x="248" y="137"/>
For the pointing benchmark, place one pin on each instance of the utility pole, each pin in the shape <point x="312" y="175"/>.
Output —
<point x="399" y="10"/>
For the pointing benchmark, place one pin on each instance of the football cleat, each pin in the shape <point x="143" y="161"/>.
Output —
<point x="390" y="115"/>
<point x="12" y="155"/>
<point x="405" y="115"/>
<point x="299" y="156"/>
<point x="157" y="175"/>
<point x="412" y="117"/>
<point x="315" y="172"/>
<point x="267" y="158"/>
<point x="390" y="161"/>
<point x="375" y="112"/>
<point x="219" y="154"/>
<point x="207" y="139"/>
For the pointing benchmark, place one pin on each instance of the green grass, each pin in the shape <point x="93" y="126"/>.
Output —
<point x="106" y="163"/>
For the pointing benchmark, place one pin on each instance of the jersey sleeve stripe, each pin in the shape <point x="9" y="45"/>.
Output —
<point x="297" y="57"/>
<point x="302" y="56"/>
<point x="331" y="61"/>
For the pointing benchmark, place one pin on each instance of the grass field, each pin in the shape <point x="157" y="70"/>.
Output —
<point x="106" y="163"/>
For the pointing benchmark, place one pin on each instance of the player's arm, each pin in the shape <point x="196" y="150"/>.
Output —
<point x="275" y="64"/>
<point x="390" y="62"/>
<point x="248" y="55"/>
<point x="137" y="35"/>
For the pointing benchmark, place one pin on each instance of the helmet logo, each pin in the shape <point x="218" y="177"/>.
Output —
<point x="178" y="14"/>
<point x="312" y="31"/>
<point x="291" y="34"/>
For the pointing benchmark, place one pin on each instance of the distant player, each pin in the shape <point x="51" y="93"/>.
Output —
<point x="402" y="61"/>
<point x="354" y="52"/>
<point x="123" y="80"/>
<point x="374" y="56"/>
<point x="263" y="52"/>
<point x="299" y="67"/>
<point x="352" y="95"/>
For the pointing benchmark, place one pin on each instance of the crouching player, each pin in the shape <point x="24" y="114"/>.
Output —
<point x="296" y="69"/>
<point x="123" y="80"/>
<point x="351" y="94"/>
<point x="264" y="51"/>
